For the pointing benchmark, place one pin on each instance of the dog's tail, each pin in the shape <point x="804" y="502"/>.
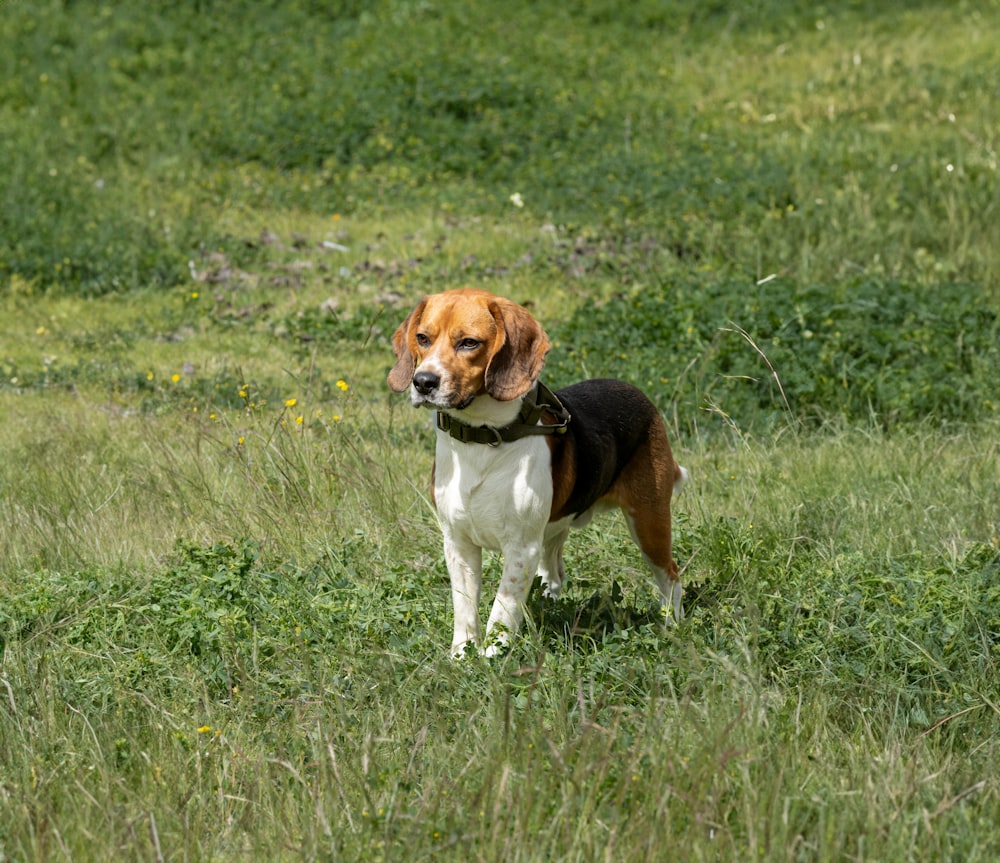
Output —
<point x="682" y="477"/>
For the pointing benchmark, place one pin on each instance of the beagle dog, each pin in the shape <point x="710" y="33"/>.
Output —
<point x="516" y="466"/>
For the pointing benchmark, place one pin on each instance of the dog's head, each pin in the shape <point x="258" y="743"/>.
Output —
<point x="461" y="344"/>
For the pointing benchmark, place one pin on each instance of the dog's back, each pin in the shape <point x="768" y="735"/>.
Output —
<point x="612" y="420"/>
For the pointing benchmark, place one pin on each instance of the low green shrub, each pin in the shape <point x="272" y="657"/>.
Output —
<point x="906" y="633"/>
<point x="863" y="351"/>
<point x="925" y="632"/>
<point x="127" y="136"/>
<point x="225" y="615"/>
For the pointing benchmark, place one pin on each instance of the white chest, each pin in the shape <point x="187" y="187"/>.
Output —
<point x="493" y="496"/>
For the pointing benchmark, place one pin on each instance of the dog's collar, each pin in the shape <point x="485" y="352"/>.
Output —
<point x="538" y="401"/>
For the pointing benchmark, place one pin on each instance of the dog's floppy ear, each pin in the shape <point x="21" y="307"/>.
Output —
<point x="402" y="372"/>
<point x="517" y="363"/>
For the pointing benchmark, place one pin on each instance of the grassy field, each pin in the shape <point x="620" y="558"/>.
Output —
<point x="224" y="611"/>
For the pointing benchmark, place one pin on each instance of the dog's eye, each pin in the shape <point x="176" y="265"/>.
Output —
<point x="468" y="344"/>
<point x="423" y="340"/>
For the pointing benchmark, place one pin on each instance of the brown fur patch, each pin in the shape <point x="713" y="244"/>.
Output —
<point x="563" y="455"/>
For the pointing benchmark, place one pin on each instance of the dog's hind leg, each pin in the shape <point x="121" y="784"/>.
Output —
<point x="551" y="568"/>
<point x="644" y="492"/>
<point x="653" y="540"/>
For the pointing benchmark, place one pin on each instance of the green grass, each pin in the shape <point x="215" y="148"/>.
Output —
<point x="224" y="611"/>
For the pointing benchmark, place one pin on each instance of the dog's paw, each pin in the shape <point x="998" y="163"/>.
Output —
<point x="550" y="590"/>
<point x="672" y="610"/>
<point x="463" y="649"/>
<point x="499" y="643"/>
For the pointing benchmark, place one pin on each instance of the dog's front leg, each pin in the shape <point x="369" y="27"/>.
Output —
<point x="519" y="566"/>
<point x="465" y="569"/>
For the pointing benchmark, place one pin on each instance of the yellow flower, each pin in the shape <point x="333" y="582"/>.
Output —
<point x="298" y="420"/>
<point x="149" y="376"/>
<point x="290" y="403"/>
<point x="240" y="441"/>
<point x="204" y="729"/>
<point x="41" y="331"/>
<point x="243" y="392"/>
<point x="194" y="295"/>
<point x="342" y="385"/>
<point x="175" y="377"/>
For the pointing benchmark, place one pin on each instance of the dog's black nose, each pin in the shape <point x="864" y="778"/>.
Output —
<point x="426" y="382"/>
